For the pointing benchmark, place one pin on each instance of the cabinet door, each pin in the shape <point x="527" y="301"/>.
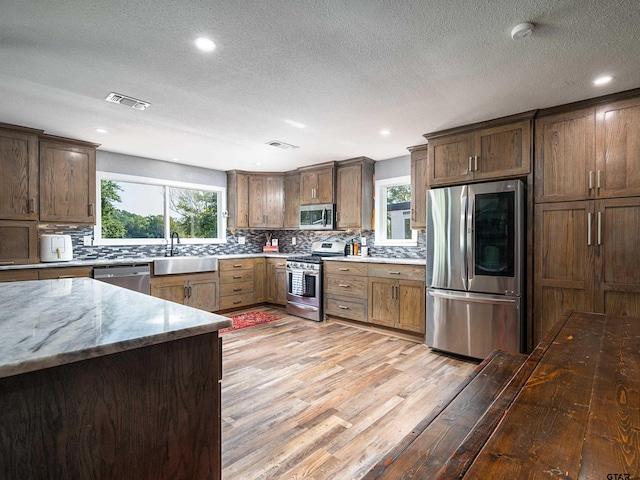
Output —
<point x="316" y="186"/>
<point x="419" y="189"/>
<point x="18" y="242"/>
<point x="349" y="180"/>
<point x="503" y="151"/>
<point x="618" y="149"/>
<point x="67" y="183"/>
<point x="448" y="159"/>
<point x="257" y="201"/>
<point x="274" y="202"/>
<point x="171" y="289"/>
<point x="618" y="261"/>
<point x="276" y="281"/>
<point x="383" y="304"/>
<point x="259" y="280"/>
<point x="266" y="201"/>
<point x="238" y="199"/>
<point x="411" y="313"/>
<point x="565" y="240"/>
<point x="19" y="176"/>
<point x="203" y="292"/>
<point x="324" y="193"/>
<point x="292" y="201"/>
<point x="565" y="157"/>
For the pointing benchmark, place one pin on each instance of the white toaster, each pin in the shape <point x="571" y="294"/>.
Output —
<point x="56" y="248"/>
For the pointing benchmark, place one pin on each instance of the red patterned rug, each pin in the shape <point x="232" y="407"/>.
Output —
<point x="249" y="319"/>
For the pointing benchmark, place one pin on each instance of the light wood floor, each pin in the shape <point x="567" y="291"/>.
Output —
<point x="323" y="401"/>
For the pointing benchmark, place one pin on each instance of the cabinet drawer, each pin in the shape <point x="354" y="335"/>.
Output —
<point x="235" y="264"/>
<point x="341" y="268"/>
<point x="352" y="309"/>
<point x="235" y="301"/>
<point x="65" y="272"/>
<point x="346" y="285"/>
<point x="236" y="276"/>
<point x="236" y="288"/>
<point x="18" y="275"/>
<point x="404" y="272"/>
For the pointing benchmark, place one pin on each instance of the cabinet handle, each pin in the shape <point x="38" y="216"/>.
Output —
<point x="264" y="218"/>
<point x="32" y="205"/>
<point x="589" y="228"/>
<point x="470" y="166"/>
<point x="186" y="292"/>
<point x="237" y="276"/>
<point x="237" y="265"/>
<point x="91" y="209"/>
<point x="280" y="265"/>
<point x="343" y="269"/>
<point x="598" y="180"/>
<point x="475" y="160"/>
<point x="343" y="307"/>
<point x="599" y="228"/>
<point x="239" y="289"/>
<point x="590" y="179"/>
<point x="235" y="302"/>
<point x="394" y="273"/>
<point x="313" y="193"/>
<point x="413" y="214"/>
<point x="343" y="285"/>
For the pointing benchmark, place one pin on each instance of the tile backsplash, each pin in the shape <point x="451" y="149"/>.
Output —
<point x="254" y="241"/>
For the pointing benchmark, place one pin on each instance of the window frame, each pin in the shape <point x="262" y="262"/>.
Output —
<point x="121" y="177"/>
<point x="381" y="214"/>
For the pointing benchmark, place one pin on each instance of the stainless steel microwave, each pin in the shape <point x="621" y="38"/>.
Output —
<point x="318" y="217"/>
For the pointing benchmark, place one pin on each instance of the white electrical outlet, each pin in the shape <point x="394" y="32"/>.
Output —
<point x="363" y="241"/>
<point x="293" y="240"/>
<point x="86" y="240"/>
<point x="242" y="240"/>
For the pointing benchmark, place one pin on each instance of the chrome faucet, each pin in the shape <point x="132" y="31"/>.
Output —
<point x="174" y="250"/>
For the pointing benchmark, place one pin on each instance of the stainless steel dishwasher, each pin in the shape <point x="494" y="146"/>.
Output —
<point x="133" y="277"/>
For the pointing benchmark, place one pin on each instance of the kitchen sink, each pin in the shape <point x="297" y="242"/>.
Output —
<point x="173" y="265"/>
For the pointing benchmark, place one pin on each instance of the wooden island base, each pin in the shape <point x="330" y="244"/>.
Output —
<point x="147" y="414"/>
<point x="571" y="409"/>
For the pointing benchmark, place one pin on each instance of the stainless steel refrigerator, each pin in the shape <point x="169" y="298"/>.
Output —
<point x="475" y="263"/>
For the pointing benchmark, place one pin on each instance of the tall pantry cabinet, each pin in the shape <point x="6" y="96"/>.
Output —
<point x="587" y="212"/>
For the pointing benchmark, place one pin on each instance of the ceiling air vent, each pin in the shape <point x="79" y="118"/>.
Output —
<point x="127" y="101"/>
<point x="282" y="145"/>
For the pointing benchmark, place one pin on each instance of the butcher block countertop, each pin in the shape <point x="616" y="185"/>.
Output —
<point x="571" y="409"/>
<point x="46" y="323"/>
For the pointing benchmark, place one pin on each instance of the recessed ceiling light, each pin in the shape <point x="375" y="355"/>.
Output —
<point x="603" y="80"/>
<point x="101" y="130"/>
<point x="385" y="132"/>
<point x="293" y="123"/>
<point x="205" y="44"/>
<point x="258" y="163"/>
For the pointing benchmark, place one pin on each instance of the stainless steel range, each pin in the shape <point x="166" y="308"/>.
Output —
<point x="304" y="280"/>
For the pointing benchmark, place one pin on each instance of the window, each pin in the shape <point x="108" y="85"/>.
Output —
<point x="393" y="212"/>
<point x="138" y="210"/>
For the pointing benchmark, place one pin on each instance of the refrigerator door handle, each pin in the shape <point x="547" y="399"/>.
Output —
<point x="470" y="206"/>
<point x="463" y="235"/>
<point x="472" y="298"/>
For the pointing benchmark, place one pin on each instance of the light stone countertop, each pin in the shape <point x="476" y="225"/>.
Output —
<point x="46" y="323"/>
<point x="397" y="261"/>
<point x="130" y="261"/>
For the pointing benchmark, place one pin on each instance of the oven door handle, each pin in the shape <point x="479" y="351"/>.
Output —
<point x="324" y="217"/>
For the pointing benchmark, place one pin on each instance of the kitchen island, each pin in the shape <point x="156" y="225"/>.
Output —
<point x="101" y="382"/>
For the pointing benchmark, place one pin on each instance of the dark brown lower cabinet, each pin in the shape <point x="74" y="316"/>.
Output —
<point x="147" y="413"/>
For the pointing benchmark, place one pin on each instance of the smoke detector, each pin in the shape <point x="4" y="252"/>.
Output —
<point x="127" y="101"/>
<point x="521" y="31"/>
<point x="282" y="145"/>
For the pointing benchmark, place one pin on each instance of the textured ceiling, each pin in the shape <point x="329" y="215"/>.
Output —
<point x="345" y="68"/>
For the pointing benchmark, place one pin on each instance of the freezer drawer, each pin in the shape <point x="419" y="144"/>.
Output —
<point x="473" y="324"/>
